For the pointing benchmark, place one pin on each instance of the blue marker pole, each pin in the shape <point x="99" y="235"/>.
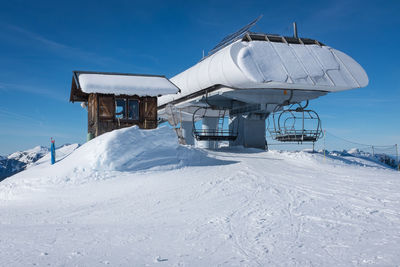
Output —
<point x="53" y="151"/>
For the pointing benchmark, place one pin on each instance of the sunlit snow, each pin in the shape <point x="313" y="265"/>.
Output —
<point x="140" y="85"/>
<point x="136" y="198"/>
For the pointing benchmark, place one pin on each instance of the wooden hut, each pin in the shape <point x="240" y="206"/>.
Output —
<point x="117" y="100"/>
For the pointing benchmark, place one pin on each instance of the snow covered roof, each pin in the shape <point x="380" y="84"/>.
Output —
<point x="312" y="66"/>
<point x="85" y="82"/>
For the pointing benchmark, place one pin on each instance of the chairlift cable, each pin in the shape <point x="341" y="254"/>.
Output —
<point x="356" y="143"/>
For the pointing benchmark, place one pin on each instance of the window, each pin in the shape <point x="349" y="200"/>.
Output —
<point x="127" y="109"/>
<point x="120" y="105"/>
<point x="133" y="109"/>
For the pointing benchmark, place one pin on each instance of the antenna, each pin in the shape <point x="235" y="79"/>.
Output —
<point x="295" y="30"/>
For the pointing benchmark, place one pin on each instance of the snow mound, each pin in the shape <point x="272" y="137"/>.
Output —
<point x="124" y="150"/>
<point x="61" y="152"/>
<point x="132" y="149"/>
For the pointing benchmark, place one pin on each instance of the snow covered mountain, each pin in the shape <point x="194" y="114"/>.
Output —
<point x="138" y="198"/>
<point x="21" y="160"/>
<point x="18" y="161"/>
<point x="29" y="156"/>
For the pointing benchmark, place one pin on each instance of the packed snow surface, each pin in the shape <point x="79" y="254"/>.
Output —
<point x="126" y="84"/>
<point x="137" y="198"/>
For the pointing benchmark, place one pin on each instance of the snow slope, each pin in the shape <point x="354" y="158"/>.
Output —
<point x="137" y="198"/>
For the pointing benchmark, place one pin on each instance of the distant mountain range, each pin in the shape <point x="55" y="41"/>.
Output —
<point x="19" y="161"/>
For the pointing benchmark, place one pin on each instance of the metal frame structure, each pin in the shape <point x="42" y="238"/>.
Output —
<point x="218" y="134"/>
<point x="285" y="125"/>
<point x="234" y="36"/>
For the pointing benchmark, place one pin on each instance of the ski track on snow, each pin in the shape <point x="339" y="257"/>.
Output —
<point x="222" y="208"/>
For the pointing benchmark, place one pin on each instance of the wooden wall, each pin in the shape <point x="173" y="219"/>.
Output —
<point x="101" y="114"/>
<point x="148" y="113"/>
<point x="92" y="114"/>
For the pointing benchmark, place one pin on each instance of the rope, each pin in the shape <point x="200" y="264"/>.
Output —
<point x="360" y="144"/>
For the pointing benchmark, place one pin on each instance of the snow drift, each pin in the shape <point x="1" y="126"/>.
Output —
<point x="124" y="150"/>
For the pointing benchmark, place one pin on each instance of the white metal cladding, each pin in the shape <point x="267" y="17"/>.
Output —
<point x="264" y="64"/>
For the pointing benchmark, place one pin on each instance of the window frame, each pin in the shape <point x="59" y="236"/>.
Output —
<point x="123" y="111"/>
<point x="126" y="113"/>
<point x="138" y="109"/>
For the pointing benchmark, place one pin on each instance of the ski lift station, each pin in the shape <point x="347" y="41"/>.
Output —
<point x="247" y="79"/>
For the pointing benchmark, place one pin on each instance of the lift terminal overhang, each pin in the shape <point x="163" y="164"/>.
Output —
<point x="259" y="64"/>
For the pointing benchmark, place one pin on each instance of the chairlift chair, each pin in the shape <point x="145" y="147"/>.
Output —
<point x="218" y="134"/>
<point x="290" y="125"/>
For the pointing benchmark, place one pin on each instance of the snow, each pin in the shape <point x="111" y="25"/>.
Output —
<point x="30" y="155"/>
<point x="126" y="84"/>
<point x="304" y="64"/>
<point x="136" y="198"/>
<point x="61" y="153"/>
<point x="128" y="149"/>
<point x="20" y="160"/>
<point x="261" y="65"/>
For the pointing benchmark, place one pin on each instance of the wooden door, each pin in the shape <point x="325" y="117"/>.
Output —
<point x="149" y="112"/>
<point x="106" y="107"/>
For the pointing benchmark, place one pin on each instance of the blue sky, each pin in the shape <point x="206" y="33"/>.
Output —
<point x="41" y="42"/>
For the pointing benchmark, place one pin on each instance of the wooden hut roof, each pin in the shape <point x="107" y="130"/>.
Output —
<point x="86" y="82"/>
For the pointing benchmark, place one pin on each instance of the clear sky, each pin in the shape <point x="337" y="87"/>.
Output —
<point x="41" y="42"/>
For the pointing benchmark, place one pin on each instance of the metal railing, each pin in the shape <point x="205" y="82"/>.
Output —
<point x="293" y="135"/>
<point x="218" y="135"/>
